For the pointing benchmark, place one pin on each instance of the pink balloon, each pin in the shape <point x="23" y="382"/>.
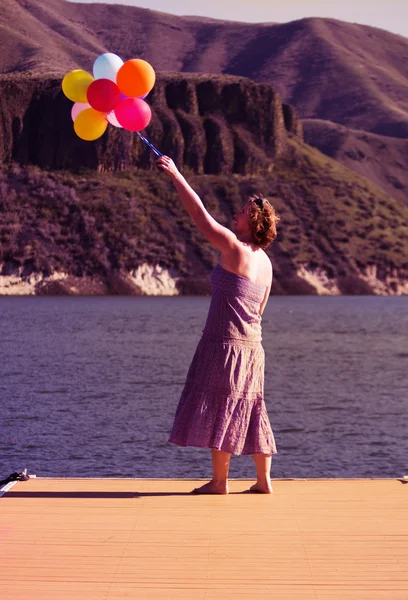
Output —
<point x="133" y="114"/>
<point x="111" y="118"/>
<point x="77" y="108"/>
<point x="103" y="95"/>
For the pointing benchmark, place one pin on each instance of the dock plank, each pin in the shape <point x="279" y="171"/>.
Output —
<point x="109" y="539"/>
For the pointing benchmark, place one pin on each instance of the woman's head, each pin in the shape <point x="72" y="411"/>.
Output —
<point x="259" y="219"/>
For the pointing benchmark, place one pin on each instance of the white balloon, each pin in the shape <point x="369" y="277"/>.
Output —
<point x="106" y="66"/>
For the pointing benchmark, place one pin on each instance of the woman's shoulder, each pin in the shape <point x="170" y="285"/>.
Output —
<point x="255" y="266"/>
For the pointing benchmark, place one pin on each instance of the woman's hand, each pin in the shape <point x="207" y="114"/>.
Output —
<point x="168" y="166"/>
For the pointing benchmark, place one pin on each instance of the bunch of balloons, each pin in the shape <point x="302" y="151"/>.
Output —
<point x="114" y="94"/>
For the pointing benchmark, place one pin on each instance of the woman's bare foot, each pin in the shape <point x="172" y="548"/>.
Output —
<point x="212" y="487"/>
<point x="261" y="488"/>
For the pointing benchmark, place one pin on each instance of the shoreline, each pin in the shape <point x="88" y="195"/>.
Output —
<point x="155" y="280"/>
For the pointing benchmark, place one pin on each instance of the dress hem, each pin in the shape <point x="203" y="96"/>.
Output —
<point x="213" y="447"/>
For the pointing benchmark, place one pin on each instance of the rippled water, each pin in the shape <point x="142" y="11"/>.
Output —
<point x="89" y="386"/>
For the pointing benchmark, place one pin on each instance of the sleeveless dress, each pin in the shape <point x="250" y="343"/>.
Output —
<point x="222" y="403"/>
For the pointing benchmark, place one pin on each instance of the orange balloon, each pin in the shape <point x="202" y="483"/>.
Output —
<point x="135" y="78"/>
<point x="90" y="124"/>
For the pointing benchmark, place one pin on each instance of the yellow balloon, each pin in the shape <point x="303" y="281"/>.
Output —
<point x="75" y="85"/>
<point x="90" y="124"/>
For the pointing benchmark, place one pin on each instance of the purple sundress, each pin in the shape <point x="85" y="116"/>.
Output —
<point x="222" y="403"/>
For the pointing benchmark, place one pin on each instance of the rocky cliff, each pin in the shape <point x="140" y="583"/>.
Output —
<point x="208" y="124"/>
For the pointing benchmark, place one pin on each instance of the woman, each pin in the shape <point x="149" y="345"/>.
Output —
<point x="222" y="406"/>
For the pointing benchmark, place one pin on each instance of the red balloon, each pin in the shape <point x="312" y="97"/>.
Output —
<point x="133" y="114"/>
<point x="103" y="95"/>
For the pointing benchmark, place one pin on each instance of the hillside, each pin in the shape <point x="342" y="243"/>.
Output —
<point x="380" y="158"/>
<point x="99" y="233"/>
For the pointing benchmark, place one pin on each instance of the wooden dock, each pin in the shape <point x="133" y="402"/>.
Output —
<point x="109" y="539"/>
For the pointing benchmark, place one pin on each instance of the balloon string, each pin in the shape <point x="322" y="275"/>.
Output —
<point x="146" y="141"/>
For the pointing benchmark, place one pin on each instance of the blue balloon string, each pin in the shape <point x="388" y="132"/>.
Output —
<point x="152" y="148"/>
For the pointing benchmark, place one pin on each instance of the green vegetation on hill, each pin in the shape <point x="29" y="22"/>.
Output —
<point x="98" y="223"/>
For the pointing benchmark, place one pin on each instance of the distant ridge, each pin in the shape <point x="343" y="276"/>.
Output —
<point x="354" y="75"/>
<point x="382" y="159"/>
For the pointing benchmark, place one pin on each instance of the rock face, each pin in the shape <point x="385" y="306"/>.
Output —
<point x="146" y="280"/>
<point x="208" y="124"/>
<point x="292" y="121"/>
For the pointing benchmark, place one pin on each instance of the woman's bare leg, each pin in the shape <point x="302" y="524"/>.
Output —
<point x="263" y="464"/>
<point x="219" y="482"/>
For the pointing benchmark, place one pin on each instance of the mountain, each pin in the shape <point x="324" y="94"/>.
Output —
<point x="94" y="218"/>
<point x="354" y="75"/>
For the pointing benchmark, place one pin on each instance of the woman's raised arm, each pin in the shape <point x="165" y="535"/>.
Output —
<point x="221" y="237"/>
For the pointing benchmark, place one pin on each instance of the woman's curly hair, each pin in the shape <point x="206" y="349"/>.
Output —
<point x="262" y="221"/>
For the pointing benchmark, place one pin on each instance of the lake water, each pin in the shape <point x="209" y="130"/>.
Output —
<point x="89" y="386"/>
